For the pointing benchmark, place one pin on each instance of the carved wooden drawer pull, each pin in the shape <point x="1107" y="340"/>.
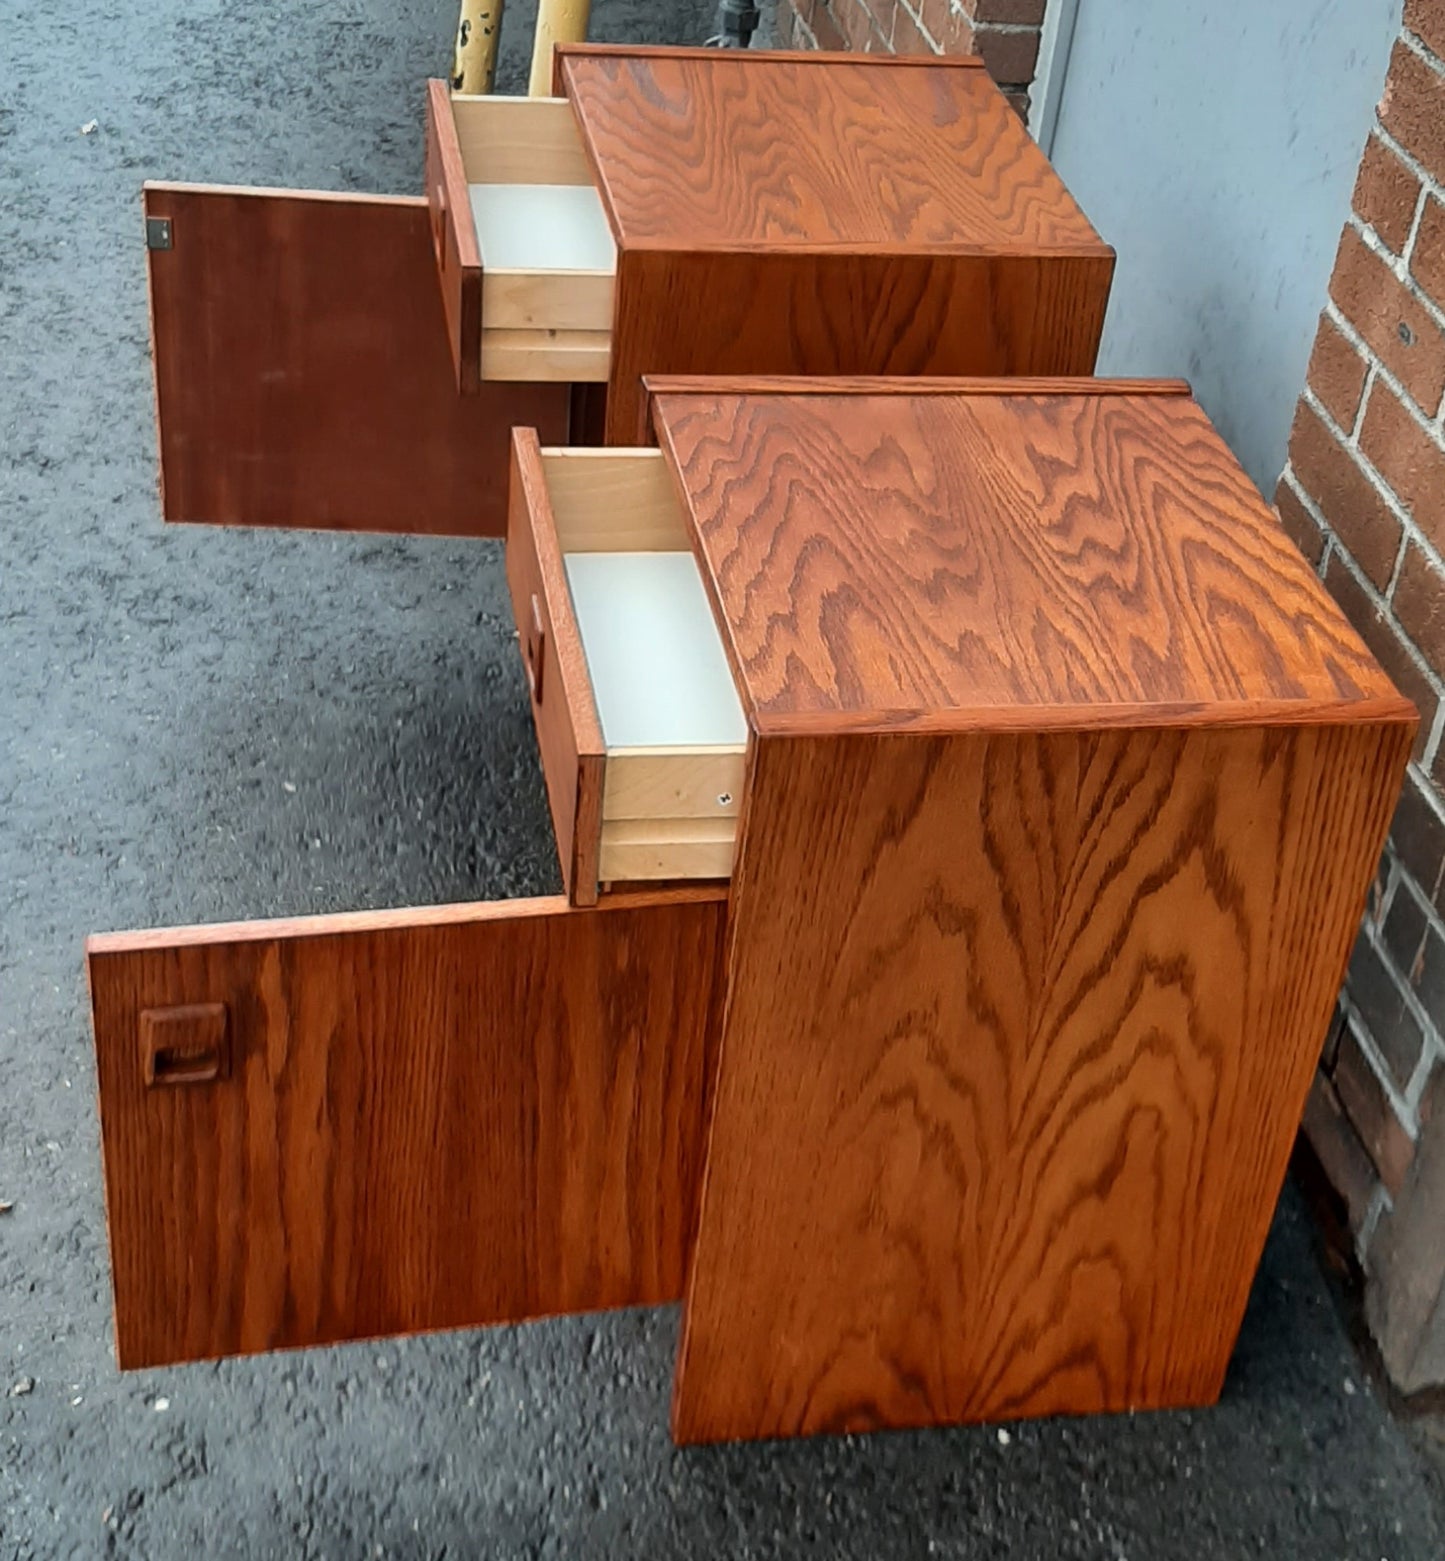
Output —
<point x="185" y="1045"/>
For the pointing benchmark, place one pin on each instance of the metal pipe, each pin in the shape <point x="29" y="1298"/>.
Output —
<point x="1057" y="45"/>
<point x="558" y="21"/>
<point x="478" y="28"/>
<point x="739" y="21"/>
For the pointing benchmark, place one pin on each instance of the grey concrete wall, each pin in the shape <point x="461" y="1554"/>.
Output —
<point x="1215" y="146"/>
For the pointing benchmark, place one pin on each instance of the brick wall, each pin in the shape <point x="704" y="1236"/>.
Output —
<point x="1004" y="32"/>
<point x="1364" y="497"/>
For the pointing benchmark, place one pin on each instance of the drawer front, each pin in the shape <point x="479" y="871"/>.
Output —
<point x="568" y="731"/>
<point x="544" y="313"/>
<point x="454" y="239"/>
<point x="348" y="1126"/>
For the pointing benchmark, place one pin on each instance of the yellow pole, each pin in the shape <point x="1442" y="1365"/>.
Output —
<point x="558" y="21"/>
<point x="475" y="62"/>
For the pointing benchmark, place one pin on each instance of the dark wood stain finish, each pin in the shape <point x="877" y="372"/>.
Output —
<point x="433" y="1119"/>
<point x="303" y="373"/>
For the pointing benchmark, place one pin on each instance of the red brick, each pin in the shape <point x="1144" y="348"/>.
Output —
<point x="951" y="31"/>
<point x="1010" y="56"/>
<point x="1379" y="994"/>
<point x="1386" y="193"/>
<point x="1418" y="837"/>
<point x="818" y="16"/>
<point x="859" y="27"/>
<point x="1303" y="528"/>
<point x="907" y="36"/>
<point x="1329" y="473"/>
<point x="1408" y="458"/>
<point x="1406" y="1263"/>
<point x="1341" y="1154"/>
<point x="1419" y="603"/>
<point x="1332" y="1038"/>
<point x="1017" y="99"/>
<point x="822" y="33"/>
<point x="1029" y="13"/>
<point x="1336" y="373"/>
<point x="1368" y="1107"/>
<point x="1427" y="264"/>
<point x="1413" y="108"/>
<point x="880" y="13"/>
<point x="1426" y="19"/>
<point x="1393" y="323"/>
<point x="1386" y="645"/>
<point x="1416" y="948"/>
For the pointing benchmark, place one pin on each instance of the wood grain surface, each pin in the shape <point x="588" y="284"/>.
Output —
<point x="969" y="560"/>
<point x="1018" y="1034"/>
<point x="433" y="1119"/>
<point x="303" y="372"/>
<point x="785" y="213"/>
<point x="777" y="312"/>
<point x="569" y="732"/>
<point x="728" y="150"/>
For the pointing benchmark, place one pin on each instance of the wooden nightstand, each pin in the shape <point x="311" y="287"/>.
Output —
<point x="949" y="1065"/>
<point x="671" y="210"/>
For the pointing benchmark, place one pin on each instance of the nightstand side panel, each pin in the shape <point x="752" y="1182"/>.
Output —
<point x="1019" y="1032"/>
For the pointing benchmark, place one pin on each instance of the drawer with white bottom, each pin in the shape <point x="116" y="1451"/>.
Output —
<point x="641" y="731"/>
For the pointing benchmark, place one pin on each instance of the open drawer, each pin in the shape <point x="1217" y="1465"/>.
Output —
<point x="525" y="251"/>
<point x="642" y="735"/>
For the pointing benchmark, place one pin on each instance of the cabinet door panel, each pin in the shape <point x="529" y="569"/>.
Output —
<point x="356" y="1125"/>
<point x="303" y="372"/>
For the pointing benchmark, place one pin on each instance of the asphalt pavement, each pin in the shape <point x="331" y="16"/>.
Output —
<point x="200" y="725"/>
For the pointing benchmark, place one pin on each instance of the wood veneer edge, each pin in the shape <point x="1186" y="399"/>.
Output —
<point x="656" y="385"/>
<point x="903" y="249"/>
<point x="454" y="173"/>
<point x="565" y="51"/>
<point x="1185" y="715"/>
<point x="147" y="190"/>
<point x="571" y="660"/>
<point x="348" y="923"/>
<point x="269" y="192"/>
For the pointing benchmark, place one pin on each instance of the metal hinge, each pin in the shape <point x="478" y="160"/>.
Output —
<point x="158" y="232"/>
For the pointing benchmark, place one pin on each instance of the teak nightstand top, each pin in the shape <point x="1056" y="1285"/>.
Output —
<point x="960" y="555"/>
<point x="709" y="149"/>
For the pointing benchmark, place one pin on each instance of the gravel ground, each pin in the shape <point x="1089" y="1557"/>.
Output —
<point x="196" y="725"/>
